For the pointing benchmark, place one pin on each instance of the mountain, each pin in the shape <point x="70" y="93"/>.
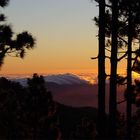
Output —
<point x="65" y="79"/>
<point x="59" y="79"/>
<point x="73" y="90"/>
<point x="83" y="95"/>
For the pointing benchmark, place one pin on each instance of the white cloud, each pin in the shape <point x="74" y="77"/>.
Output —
<point x="61" y="79"/>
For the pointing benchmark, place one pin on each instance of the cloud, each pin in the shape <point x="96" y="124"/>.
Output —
<point x="60" y="79"/>
<point x="90" y="77"/>
<point x="68" y="79"/>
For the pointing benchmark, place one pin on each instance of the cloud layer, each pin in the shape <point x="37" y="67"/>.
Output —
<point x="68" y="79"/>
<point x="60" y="79"/>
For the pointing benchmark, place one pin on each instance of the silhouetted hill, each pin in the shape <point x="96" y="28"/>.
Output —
<point x="51" y="85"/>
<point x="82" y="95"/>
<point x="70" y="117"/>
<point x="73" y="91"/>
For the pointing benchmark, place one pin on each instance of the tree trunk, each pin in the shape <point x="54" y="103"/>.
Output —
<point x="101" y="73"/>
<point x="113" y="73"/>
<point x="129" y="76"/>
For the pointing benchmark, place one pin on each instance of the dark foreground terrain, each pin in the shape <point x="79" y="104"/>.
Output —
<point x="70" y="118"/>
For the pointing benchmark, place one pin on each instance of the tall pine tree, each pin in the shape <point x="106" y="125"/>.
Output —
<point x="101" y="72"/>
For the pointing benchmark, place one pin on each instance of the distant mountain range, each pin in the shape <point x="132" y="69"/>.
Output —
<point x="59" y="79"/>
<point x="74" y="91"/>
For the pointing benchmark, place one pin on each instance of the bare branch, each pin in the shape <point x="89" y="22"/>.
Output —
<point x="123" y="40"/>
<point x="123" y="56"/>
<point x="133" y="59"/>
<point x="107" y="75"/>
<point x="133" y="51"/>
<point x="109" y="6"/>
<point x="107" y="49"/>
<point x="119" y="102"/>
<point x="107" y="57"/>
<point x="94" y="57"/>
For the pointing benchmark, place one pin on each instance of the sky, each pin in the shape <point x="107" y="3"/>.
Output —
<point x="66" y="36"/>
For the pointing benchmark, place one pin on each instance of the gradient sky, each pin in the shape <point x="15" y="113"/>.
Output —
<point x="65" y="34"/>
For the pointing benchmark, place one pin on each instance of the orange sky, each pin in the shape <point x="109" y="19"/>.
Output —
<point x="65" y="34"/>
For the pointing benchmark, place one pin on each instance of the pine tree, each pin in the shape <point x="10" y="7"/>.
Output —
<point x="101" y="72"/>
<point x="12" y="47"/>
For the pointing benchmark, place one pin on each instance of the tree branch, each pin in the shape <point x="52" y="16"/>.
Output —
<point x="107" y="75"/>
<point x="94" y="57"/>
<point x="123" y="56"/>
<point x="119" y="102"/>
<point x="107" y="49"/>
<point x="123" y="40"/>
<point x="107" y="57"/>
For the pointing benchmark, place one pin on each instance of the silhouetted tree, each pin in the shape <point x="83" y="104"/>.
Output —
<point x="101" y="72"/>
<point x="10" y="45"/>
<point x="129" y="73"/>
<point x="124" y="32"/>
<point x="85" y="130"/>
<point x="3" y="3"/>
<point x="27" y="112"/>
<point x="41" y="109"/>
<point x="11" y="108"/>
<point x="131" y="12"/>
<point x="111" y="30"/>
<point x="113" y="72"/>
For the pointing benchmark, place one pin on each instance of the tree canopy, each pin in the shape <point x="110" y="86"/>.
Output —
<point x="12" y="44"/>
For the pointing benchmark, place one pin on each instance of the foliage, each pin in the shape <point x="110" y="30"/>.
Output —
<point x="30" y="113"/>
<point x="122" y="22"/>
<point x="40" y="106"/>
<point x="4" y="3"/>
<point x="12" y="44"/>
<point x="27" y="112"/>
<point x="122" y="27"/>
<point x="11" y="105"/>
<point x="86" y="129"/>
